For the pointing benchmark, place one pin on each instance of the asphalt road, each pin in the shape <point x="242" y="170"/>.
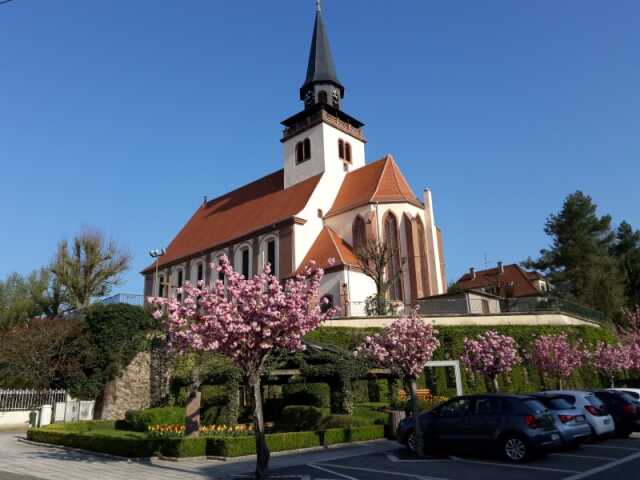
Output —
<point x="612" y="459"/>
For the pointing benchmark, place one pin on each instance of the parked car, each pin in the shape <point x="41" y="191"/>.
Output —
<point x="634" y="392"/>
<point x="570" y="421"/>
<point x="624" y="409"/>
<point x="594" y="410"/>
<point x="516" y="426"/>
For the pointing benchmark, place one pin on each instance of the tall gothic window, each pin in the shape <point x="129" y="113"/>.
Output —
<point x="179" y="283"/>
<point x="244" y="263"/>
<point x="359" y="234"/>
<point x="347" y="152"/>
<point x="200" y="271"/>
<point x="393" y="268"/>
<point x="422" y="252"/>
<point x="161" y="286"/>
<point x="307" y="149"/>
<point x="341" y="149"/>
<point x="220" y="273"/>
<point x="271" y="255"/>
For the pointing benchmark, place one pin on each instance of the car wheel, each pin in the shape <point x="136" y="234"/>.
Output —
<point x="412" y="442"/>
<point x="515" y="449"/>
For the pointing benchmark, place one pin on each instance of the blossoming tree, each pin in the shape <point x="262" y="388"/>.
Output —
<point x="630" y="337"/>
<point x="404" y="347"/>
<point x="556" y="357"/>
<point x="490" y="354"/>
<point x="611" y="359"/>
<point x="245" y="320"/>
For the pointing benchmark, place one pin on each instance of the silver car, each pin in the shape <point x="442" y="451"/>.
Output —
<point x="591" y="407"/>
<point x="570" y="421"/>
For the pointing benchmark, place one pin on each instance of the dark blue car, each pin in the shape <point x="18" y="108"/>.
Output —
<point x="516" y="426"/>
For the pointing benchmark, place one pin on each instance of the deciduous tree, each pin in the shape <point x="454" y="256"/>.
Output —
<point x="246" y="320"/>
<point x="404" y="347"/>
<point x="374" y="258"/>
<point x="491" y="354"/>
<point x="556" y="357"/>
<point x="610" y="359"/>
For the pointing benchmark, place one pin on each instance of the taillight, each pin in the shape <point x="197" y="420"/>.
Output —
<point x="593" y="410"/>
<point x="629" y="409"/>
<point x="532" y="421"/>
<point x="566" y="418"/>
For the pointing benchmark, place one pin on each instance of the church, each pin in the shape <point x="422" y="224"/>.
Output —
<point x="325" y="203"/>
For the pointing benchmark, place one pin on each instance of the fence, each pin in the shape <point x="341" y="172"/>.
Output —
<point x="16" y="407"/>
<point x="129" y="298"/>
<point x="16" y="400"/>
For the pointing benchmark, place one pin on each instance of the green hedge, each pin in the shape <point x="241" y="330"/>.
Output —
<point x="342" y="421"/>
<point x="314" y="394"/>
<point x="524" y="378"/>
<point x="126" y="444"/>
<point x="277" y="442"/>
<point x="297" y="418"/>
<point x="137" y="445"/>
<point x="140" y="420"/>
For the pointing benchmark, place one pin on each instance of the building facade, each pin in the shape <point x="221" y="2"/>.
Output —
<point x="325" y="203"/>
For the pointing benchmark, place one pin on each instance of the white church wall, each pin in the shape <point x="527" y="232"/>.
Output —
<point x="330" y="285"/>
<point x="342" y="224"/>
<point x="360" y="287"/>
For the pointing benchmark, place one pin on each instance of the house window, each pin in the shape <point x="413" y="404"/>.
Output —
<point x="307" y="149"/>
<point x="271" y="255"/>
<point x="341" y="149"/>
<point x="299" y="152"/>
<point x="322" y="97"/>
<point x="347" y="152"/>
<point x="160" y="286"/>
<point x="393" y="267"/>
<point x="359" y="235"/>
<point x="245" y="262"/>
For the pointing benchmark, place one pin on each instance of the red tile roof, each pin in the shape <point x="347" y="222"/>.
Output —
<point x="238" y="213"/>
<point x="380" y="181"/>
<point x="328" y="245"/>
<point x="514" y="278"/>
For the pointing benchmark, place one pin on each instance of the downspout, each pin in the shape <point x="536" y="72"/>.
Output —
<point x="348" y="291"/>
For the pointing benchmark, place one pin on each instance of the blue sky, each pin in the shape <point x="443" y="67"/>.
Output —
<point x="123" y="115"/>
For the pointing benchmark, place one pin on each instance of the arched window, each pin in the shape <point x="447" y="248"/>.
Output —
<point x="179" y="282"/>
<point x="341" y="149"/>
<point x="322" y="97"/>
<point x="393" y="246"/>
<point x="359" y="234"/>
<point x="269" y="254"/>
<point x="422" y="252"/>
<point x="243" y="261"/>
<point x="160" y="286"/>
<point x="299" y="152"/>
<point x="197" y="272"/>
<point x="220" y="274"/>
<point x="347" y="152"/>
<point x="326" y="303"/>
<point x="307" y="149"/>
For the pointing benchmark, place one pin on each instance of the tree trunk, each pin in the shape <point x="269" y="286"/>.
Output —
<point x="491" y="383"/>
<point x="496" y="387"/>
<point x="612" y="377"/>
<point x="414" y="408"/>
<point x="341" y="396"/>
<point x="262" y="463"/>
<point x="394" y="390"/>
<point x="192" y="425"/>
<point x="560" y="384"/>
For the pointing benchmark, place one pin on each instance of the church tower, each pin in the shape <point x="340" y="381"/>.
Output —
<point x="321" y="139"/>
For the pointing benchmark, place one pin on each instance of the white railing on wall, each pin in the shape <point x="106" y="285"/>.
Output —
<point x="15" y="400"/>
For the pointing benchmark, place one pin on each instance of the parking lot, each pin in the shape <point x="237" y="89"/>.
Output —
<point x="617" y="458"/>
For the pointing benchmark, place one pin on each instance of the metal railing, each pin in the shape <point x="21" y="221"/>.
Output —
<point x="13" y="400"/>
<point x="534" y="305"/>
<point x="129" y="298"/>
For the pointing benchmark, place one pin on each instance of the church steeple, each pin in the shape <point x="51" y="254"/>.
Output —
<point x="322" y="84"/>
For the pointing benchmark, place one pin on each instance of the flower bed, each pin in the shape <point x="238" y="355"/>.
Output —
<point x="138" y="445"/>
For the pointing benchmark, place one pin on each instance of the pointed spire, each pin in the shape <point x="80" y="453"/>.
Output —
<point x="321" y="68"/>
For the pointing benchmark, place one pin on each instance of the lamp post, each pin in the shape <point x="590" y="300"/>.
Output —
<point x="157" y="253"/>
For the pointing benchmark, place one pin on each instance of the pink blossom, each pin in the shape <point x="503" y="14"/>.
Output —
<point x="490" y="354"/>
<point x="611" y="359"/>
<point x="404" y="347"/>
<point x="555" y="356"/>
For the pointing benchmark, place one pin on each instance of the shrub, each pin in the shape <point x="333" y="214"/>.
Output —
<point x="314" y="394"/>
<point x="183" y="447"/>
<point x="341" y="421"/>
<point x="296" y="418"/>
<point x="140" y="420"/>
<point x="219" y="415"/>
<point x="423" y="405"/>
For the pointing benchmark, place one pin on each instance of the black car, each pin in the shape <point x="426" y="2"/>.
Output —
<point x="516" y="426"/>
<point x="624" y="409"/>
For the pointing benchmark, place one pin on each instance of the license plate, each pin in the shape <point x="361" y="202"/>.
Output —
<point x="607" y="421"/>
<point x="555" y="436"/>
<point x="580" y="418"/>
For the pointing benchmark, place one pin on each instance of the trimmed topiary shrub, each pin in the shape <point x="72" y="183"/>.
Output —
<point x="314" y="394"/>
<point x="183" y="447"/>
<point x="140" y="420"/>
<point x="298" y="418"/>
<point x="341" y="421"/>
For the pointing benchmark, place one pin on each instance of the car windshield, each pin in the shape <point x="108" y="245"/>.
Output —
<point x="535" y="406"/>
<point x="555" y="403"/>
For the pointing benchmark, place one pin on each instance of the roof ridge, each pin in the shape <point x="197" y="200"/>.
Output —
<point x="333" y="241"/>
<point x="386" y="159"/>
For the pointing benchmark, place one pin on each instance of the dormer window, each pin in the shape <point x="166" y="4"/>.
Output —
<point x="303" y="150"/>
